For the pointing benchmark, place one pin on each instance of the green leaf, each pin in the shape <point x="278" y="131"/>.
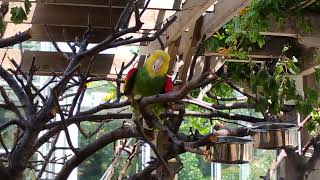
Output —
<point x="311" y="127"/>
<point x="272" y="85"/>
<point x="311" y="94"/>
<point x="18" y="15"/>
<point x="279" y="70"/>
<point x="27" y="6"/>
<point x="294" y="59"/>
<point x="262" y="77"/>
<point x="285" y="48"/>
<point x="2" y="27"/>
<point x="293" y="69"/>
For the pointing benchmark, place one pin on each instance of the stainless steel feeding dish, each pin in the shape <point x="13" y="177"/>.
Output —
<point x="271" y="135"/>
<point x="231" y="150"/>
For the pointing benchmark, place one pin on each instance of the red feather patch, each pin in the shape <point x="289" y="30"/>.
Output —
<point x="169" y="85"/>
<point x="128" y="83"/>
<point x="131" y="73"/>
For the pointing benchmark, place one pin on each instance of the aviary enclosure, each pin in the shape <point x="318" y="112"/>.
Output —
<point x="213" y="78"/>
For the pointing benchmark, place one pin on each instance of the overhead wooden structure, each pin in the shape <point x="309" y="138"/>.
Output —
<point x="68" y="19"/>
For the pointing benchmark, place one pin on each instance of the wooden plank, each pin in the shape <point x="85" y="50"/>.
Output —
<point x="172" y="51"/>
<point x="313" y="40"/>
<point x="154" y="4"/>
<point x="192" y="39"/>
<point x="191" y="11"/>
<point x="39" y="34"/>
<point x="54" y="62"/>
<point x="150" y="17"/>
<point x="224" y="11"/>
<point x="292" y="28"/>
<point x="77" y="16"/>
<point x="68" y="15"/>
<point x="49" y="62"/>
<point x="272" y="48"/>
<point x="89" y="2"/>
<point x="78" y="2"/>
<point x="74" y="15"/>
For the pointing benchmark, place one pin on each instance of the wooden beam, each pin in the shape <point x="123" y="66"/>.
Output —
<point x="193" y="38"/>
<point x="224" y="11"/>
<point x="49" y="62"/>
<point x="154" y="4"/>
<point x="271" y="50"/>
<point x="39" y="33"/>
<point x="74" y="15"/>
<point x="172" y="51"/>
<point x="292" y="28"/>
<point x="77" y="16"/>
<point x="190" y="12"/>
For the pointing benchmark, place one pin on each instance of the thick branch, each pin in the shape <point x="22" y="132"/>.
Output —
<point x="22" y="96"/>
<point x="18" y="38"/>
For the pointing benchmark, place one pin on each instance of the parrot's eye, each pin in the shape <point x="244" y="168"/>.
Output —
<point x="157" y="65"/>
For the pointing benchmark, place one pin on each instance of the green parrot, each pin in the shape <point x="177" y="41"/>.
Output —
<point x="148" y="80"/>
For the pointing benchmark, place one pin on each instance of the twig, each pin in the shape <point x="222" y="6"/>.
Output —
<point x="111" y="169"/>
<point x="312" y="141"/>
<point x="54" y="43"/>
<point x="145" y="7"/>
<point x="4" y="146"/>
<point x="305" y="121"/>
<point x="65" y="127"/>
<point x="134" y="152"/>
<point x="73" y="48"/>
<point x="48" y="156"/>
<point x="10" y="104"/>
<point x="237" y="89"/>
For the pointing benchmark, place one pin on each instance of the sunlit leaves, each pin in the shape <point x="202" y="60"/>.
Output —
<point x="18" y="15"/>
<point x="27" y="6"/>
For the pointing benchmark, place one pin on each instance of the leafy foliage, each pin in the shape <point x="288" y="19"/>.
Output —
<point x="191" y="169"/>
<point x="242" y="33"/>
<point x="18" y="14"/>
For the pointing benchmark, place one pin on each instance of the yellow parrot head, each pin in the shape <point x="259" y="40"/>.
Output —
<point x="157" y="63"/>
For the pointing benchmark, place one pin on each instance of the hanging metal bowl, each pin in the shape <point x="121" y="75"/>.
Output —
<point x="231" y="150"/>
<point x="274" y="135"/>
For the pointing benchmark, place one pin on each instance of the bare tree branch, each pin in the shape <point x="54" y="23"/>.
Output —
<point x="18" y="38"/>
